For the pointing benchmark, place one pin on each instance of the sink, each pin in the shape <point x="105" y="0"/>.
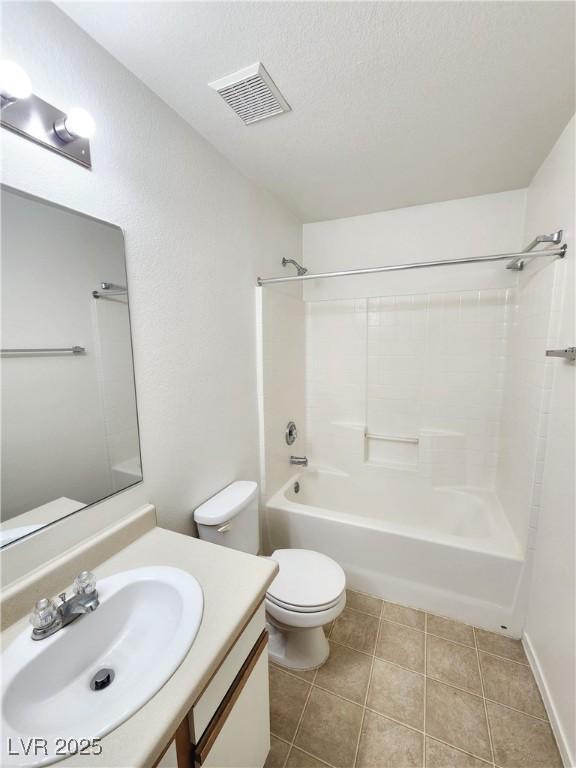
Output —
<point x="145" y="624"/>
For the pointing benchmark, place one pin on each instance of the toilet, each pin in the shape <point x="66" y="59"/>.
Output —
<point x="308" y="592"/>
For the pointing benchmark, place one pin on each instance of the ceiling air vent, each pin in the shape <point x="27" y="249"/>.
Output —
<point x="251" y="93"/>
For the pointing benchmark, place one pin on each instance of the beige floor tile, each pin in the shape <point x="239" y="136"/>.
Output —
<point x="346" y="672"/>
<point x="401" y="645"/>
<point x="409" y="616"/>
<point x="355" y="629"/>
<point x="365" y="603"/>
<point x="386" y="743"/>
<point x="457" y="718"/>
<point x="328" y="628"/>
<point x="308" y="674"/>
<point x="299" y="759"/>
<point x="512" y="684"/>
<point x="521" y="741"/>
<point x="453" y="663"/>
<point x="278" y="753"/>
<point x="450" y="630"/>
<point x="330" y="728"/>
<point x="442" y="756"/>
<point x="397" y="693"/>
<point x="287" y="699"/>
<point x="500" y="645"/>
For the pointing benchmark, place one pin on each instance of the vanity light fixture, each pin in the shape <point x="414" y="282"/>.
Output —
<point x="26" y="114"/>
<point x="78" y="124"/>
<point x="14" y="82"/>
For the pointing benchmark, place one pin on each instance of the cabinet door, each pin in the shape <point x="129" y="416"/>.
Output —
<point x="239" y="734"/>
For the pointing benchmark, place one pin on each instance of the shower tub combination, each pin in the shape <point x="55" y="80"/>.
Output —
<point x="448" y="550"/>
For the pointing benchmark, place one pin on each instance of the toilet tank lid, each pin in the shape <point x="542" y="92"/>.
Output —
<point x="227" y="503"/>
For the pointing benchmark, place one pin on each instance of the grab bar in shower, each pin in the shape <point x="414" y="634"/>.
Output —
<point x="569" y="353"/>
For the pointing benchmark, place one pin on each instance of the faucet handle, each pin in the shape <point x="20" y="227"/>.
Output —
<point x="44" y="613"/>
<point x="85" y="583"/>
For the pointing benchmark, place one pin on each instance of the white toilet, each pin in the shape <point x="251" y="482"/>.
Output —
<point x="308" y="592"/>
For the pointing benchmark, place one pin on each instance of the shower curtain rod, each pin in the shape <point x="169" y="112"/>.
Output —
<point x="517" y="261"/>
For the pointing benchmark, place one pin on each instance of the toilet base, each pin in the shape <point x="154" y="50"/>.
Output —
<point x="300" y="649"/>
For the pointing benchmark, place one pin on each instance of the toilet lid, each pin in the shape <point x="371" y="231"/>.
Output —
<point x="306" y="579"/>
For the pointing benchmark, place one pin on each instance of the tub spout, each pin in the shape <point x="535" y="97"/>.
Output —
<point x="299" y="461"/>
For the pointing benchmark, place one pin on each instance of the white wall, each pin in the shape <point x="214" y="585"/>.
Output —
<point x="197" y="235"/>
<point x="529" y="372"/>
<point x="409" y="358"/>
<point x="550" y="446"/>
<point x="472" y="226"/>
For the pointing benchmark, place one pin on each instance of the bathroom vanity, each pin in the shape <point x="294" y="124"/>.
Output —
<point x="214" y="709"/>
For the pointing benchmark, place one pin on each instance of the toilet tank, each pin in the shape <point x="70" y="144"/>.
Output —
<point x="230" y="518"/>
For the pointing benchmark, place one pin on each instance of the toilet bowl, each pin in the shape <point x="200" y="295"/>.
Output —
<point x="308" y="592"/>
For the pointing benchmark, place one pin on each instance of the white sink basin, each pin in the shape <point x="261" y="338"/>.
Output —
<point x="145" y="624"/>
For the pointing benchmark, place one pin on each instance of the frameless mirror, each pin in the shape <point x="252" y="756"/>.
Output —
<point x="69" y="421"/>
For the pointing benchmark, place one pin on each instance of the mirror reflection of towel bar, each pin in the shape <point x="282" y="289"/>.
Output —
<point x="109" y="289"/>
<point x="392" y="438"/>
<point x="76" y="350"/>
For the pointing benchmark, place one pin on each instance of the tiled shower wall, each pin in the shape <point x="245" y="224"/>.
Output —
<point x="424" y="367"/>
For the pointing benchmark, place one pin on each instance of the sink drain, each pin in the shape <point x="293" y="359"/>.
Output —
<point x="102" y="679"/>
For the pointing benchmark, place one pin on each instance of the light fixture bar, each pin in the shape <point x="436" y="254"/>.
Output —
<point x="34" y="119"/>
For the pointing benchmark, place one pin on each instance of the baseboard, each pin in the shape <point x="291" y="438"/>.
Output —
<point x="568" y="759"/>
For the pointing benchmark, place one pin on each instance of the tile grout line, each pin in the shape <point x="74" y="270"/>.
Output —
<point x="448" y="639"/>
<point x="463" y="751"/>
<point x="425" y="687"/>
<point x="302" y="713"/>
<point x="292" y="743"/>
<point x="484" y="700"/>
<point x="364" y="706"/>
<point x="506" y="658"/>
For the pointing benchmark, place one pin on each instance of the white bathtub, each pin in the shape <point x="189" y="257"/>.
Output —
<point x="447" y="550"/>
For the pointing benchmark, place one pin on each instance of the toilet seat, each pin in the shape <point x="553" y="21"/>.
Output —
<point x="303" y="609"/>
<point x="291" y="619"/>
<point x="307" y="583"/>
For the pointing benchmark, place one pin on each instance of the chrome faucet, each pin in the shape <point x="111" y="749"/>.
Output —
<point x="47" y="617"/>
<point x="299" y="461"/>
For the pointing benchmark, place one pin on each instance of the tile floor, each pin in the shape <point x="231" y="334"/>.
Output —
<point x="406" y="689"/>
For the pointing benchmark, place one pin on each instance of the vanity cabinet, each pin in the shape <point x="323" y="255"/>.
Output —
<point x="229" y="723"/>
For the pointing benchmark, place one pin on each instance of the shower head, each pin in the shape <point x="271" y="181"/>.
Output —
<point x="299" y="269"/>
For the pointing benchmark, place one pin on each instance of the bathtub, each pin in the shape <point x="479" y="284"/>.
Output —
<point x="449" y="550"/>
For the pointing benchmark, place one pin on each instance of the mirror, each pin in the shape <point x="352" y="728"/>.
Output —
<point x="69" y="434"/>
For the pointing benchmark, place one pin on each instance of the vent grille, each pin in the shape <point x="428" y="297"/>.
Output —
<point x="252" y="94"/>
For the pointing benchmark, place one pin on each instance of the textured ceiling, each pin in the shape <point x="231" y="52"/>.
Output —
<point x="393" y="103"/>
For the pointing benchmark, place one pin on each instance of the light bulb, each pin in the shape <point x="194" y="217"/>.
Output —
<point x="78" y="124"/>
<point x="14" y="82"/>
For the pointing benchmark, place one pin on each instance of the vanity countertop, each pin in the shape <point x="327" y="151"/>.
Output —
<point x="234" y="584"/>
